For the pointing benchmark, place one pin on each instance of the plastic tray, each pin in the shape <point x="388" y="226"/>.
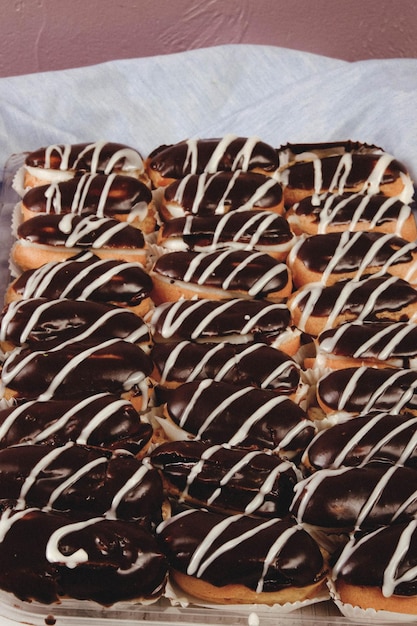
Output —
<point x="162" y="613"/>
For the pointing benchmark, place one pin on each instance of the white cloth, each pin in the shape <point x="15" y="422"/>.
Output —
<point x="276" y="94"/>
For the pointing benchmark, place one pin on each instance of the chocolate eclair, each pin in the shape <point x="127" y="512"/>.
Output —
<point x="262" y="231"/>
<point x="48" y="238"/>
<point x="81" y="479"/>
<point x="295" y="152"/>
<point x="241" y="559"/>
<point x="238" y="320"/>
<point x="244" y="416"/>
<point x="254" y="364"/>
<point x="49" y="556"/>
<point x="369" y="173"/>
<point x="332" y="257"/>
<point x="168" y="163"/>
<point x="219" y="275"/>
<point x="384" y="298"/>
<point x="102" y="420"/>
<point x="389" y="437"/>
<point x="39" y="322"/>
<point x="353" y="212"/>
<point x="77" y="370"/>
<point x="348" y="498"/>
<point x="105" y="195"/>
<point x="86" y="277"/>
<point x="209" y="194"/>
<point x="58" y="162"/>
<point x="226" y="479"/>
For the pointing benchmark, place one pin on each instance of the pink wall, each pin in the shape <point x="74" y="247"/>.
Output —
<point x="38" y="35"/>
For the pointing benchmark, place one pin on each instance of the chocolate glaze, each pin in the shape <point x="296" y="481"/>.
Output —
<point x="102" y="420"/>
<point x="229" y="153"/>
<point x="295" y="560"/>
<point x="210" y="319"/>
<point x="227" y="479"/>
<point x="375" y="436"/>
<point x="359" y="253"/>
<point x="300" y="151"/>
<point x="77" y="478"/>
<point x="352" y="208"/>
<point x="364" y="389"/>
<point x="76" y="370"/>
<point x="384" y="558"/>
<point x="217" y="412"/>
<point x="40" y="322"/>
<point x="377" y="298"/>
<point x="357" y="497"/>
<point x="246" y="228"/>
<point x="87" y="277"/>
<point x="244" y="364"/>
<point x="371" y="340"/>
<point x="80" y="231"/>
<point x="218" y="193"/>
<point x="256" y="274"/>
<point x="84" y="558"/>
<point x="101" y="194"/>
<point x="99" y="157"/>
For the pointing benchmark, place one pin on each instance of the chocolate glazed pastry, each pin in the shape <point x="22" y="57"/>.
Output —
<point x="377" y="569"/>
<point x="206" y="195"/>
<point x="86" y="277"/>
<point x="39" y="322"/>
<point x="375" y="436"/>
<point x="241" y="559"/>
<point x="376" y="494"/>
<point x="77" y="557"/>
<point x="196" y="156"/>
<point x="252" y="364"/>
<point x="229" y="480"/>
<point x="101" y="420"/>
<point x="217" y="413"/>
<point x="214" y="320"/>
<point x="77" y="370"/>
<point x="80" y="479"/>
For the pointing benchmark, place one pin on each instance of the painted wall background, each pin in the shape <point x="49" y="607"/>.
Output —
<point x="40" y="35"/>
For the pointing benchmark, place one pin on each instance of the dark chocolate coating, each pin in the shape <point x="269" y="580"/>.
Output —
<point x="118" y="561"/>
<point x="227" y="479"/>
<point x="90" y="278"/>
<point x="369" y="389"/>
<point x="213" y="318"/>
<point x="59" y="421"/>
<point x="371" y="437"/>
<point x="242" y="364"/>
<point x="89" y="193"/>
<point x="174" y="161"/>
<point x="82" y="157"/>
<point x="113" y="366"/>
<point x="297" y="563"/>
<point x="80" y="231"/>
<point x="254" y="227"/>
<point x="40" y="322"/>
<point x="374" y="495"/>
<point x="349" y="252"/>
<point x="217" y="412"/>
<point x="245" y="269"/>
<point x="75" y="478"/>
<point x="231" y="190"/>
<point x="372" y="559"/>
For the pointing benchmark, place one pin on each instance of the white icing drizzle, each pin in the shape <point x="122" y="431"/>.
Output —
<point x="305" y="489"/>
<point x="98" y="419"/>
<point x="132" y="159"/>
<point x="53" y="553"/>
<point x="71" y="480"/>
<point x="275" y="549"/>
<point x="130" y="484"/>
<point x="89" y="224"/>
<point x="13" y="416"/>
<point x="197" y="468"/>
<point x="242" y="432"/>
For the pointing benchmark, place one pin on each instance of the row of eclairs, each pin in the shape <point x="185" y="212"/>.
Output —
<point x="209" y="377"/>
